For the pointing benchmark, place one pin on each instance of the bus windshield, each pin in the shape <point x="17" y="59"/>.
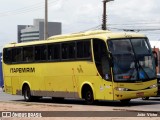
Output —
<point x="132" y="59"/>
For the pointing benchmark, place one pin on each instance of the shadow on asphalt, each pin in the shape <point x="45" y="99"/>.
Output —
<point x="134" y="102"/>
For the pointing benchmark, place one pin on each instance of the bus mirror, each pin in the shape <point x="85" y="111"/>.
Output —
<point x="155" y="57"/>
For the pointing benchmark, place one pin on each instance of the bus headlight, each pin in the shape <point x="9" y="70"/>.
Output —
<point x="153" y="86"/>
<point x="121" y="89"/>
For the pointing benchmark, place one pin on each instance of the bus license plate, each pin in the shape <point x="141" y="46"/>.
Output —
<point x="140" y="94"/>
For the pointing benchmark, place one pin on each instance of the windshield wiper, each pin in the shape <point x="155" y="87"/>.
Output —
<point x="140" y="66"/>
<point x="137" y="64"/>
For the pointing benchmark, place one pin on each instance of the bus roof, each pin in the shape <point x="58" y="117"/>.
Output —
<point x="102" y="34"/>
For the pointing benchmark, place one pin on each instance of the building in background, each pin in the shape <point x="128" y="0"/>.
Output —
<point x="36" y="31"/>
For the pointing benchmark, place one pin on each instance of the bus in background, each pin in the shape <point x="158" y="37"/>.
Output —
<point x="1" y="73"/>
<point x="94" y="65"/>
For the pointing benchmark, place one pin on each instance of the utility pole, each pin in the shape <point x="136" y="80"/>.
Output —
<point x="104" y="19"/>
<point x="46" y="21"/>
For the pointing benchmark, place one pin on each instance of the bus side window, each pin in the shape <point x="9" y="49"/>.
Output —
<point x="71" y="50"/>
<point x="79" y="49"/>
<point x="17" y="55"/>
<point x="54" y="52"/>
<point x="68" y="50"/>
<point x="50" y="52"/>
<point x="40" y="52"/>
<point x="57" y="54"/>
<point x="87" y="49"/>
<point x="7" y="55"/>
<point x="28" y="54"/>
<point x="84" y="49"/>
<point x="64" y="51"/>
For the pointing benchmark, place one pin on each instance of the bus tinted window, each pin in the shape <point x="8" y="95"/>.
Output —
<point x="68" y="50"/>
<point x="7" y="55"/>
<point x="83" y="49"/>
<point x="49" y="52"/>
<point x="87" y="49"/>
<point x="71" y="50"/>
<point x="54" y="52"/>
<point x="40" y="52"/>
<point x="80" y="49"/>
<point x="17" y="55"/>
<point x="28" y="54"/>
<point x="64" y="51"/>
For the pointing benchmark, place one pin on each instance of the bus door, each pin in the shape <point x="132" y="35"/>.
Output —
<point x="103" y="67"/>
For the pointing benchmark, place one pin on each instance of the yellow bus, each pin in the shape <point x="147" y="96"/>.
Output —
<point x="94" y="65"/>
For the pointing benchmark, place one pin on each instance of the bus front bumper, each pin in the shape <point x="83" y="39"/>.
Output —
<point x="122" y="95"/>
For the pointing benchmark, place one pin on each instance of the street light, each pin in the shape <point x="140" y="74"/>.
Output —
<point x="104" y="19"/>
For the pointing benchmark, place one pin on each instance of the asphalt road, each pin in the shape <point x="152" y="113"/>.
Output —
<point x="153" y="104"/>
<point x="8" y="97"/>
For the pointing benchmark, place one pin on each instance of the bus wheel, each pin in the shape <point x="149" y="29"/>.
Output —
<point x="145" y="98"/>
<point x="27" y="94"/>
<point x="88" y="96"/>
<point x="126" y="101"/>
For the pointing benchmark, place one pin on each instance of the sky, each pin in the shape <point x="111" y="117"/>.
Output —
<point x="81" y="15"/>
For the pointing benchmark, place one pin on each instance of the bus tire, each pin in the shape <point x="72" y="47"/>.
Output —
<point x="88" y="95"/>
<point x="145" y="98"/>
<point x="27" y="94"/>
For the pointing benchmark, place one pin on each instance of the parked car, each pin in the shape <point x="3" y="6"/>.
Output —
<point x="158" y="93"/>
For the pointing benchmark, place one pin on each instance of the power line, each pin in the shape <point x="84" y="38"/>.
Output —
<point x="23" y="10"/>
<point x="98" y="27"/>
<point x="135" y="22"/>
<point x="133" y="29"/>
